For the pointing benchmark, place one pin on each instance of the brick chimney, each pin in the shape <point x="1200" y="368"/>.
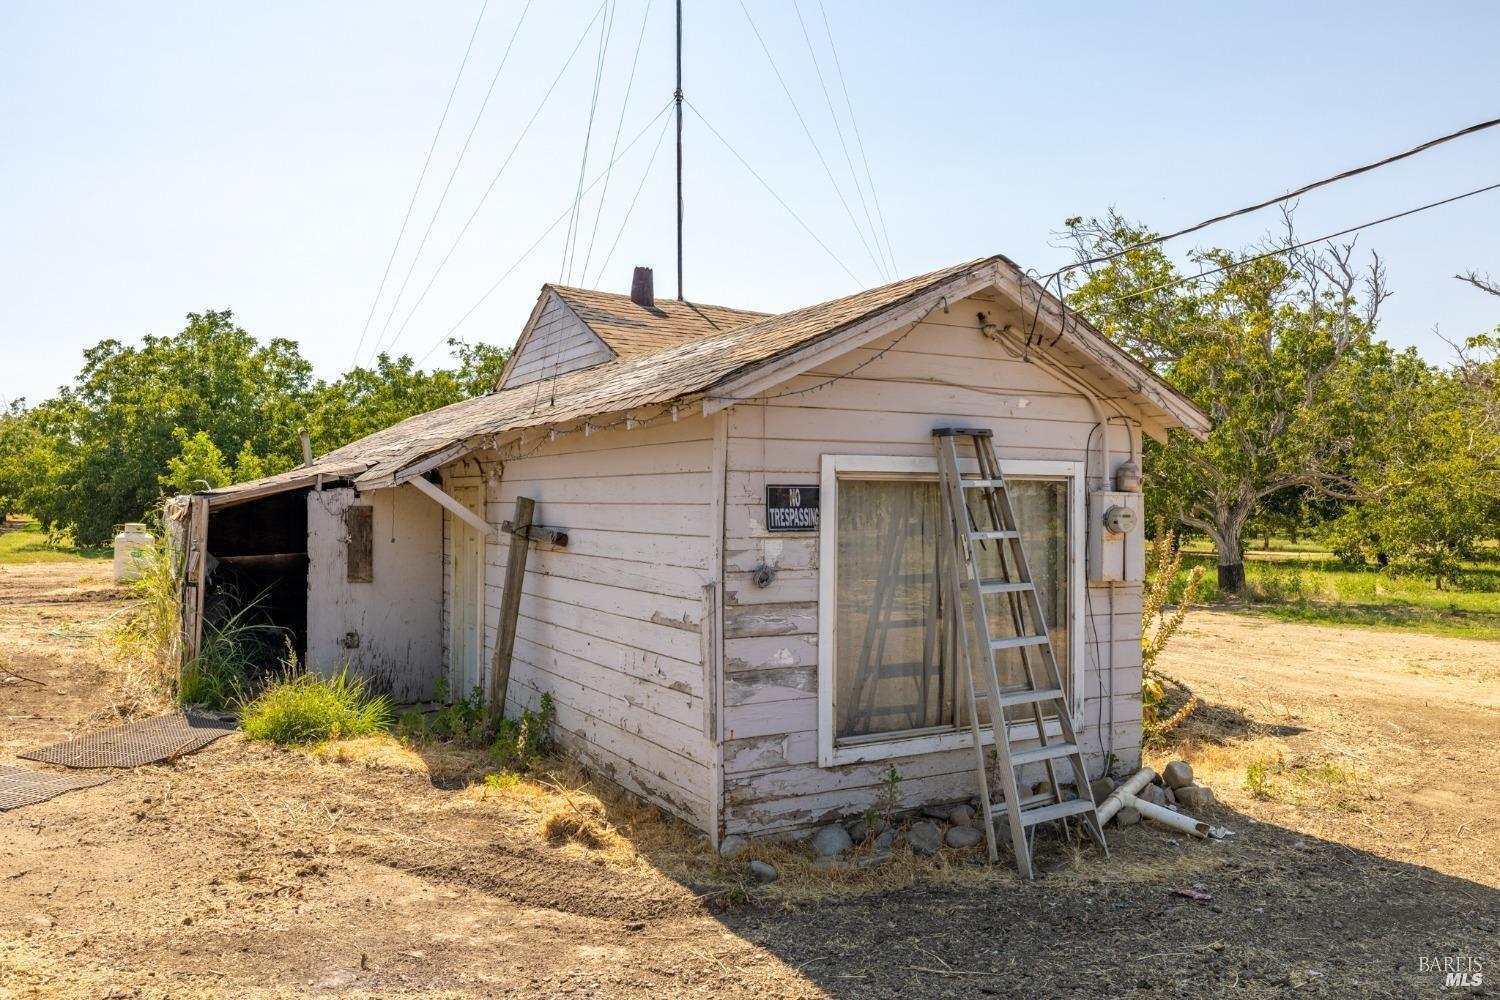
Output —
<point x="641" y="291"/>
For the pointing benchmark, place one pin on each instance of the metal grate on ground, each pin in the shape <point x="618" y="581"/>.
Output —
<point x="136" y="743"/>
<point x="21" y="786"/>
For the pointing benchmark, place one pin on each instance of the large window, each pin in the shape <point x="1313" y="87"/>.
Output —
<point x="890" y="680"/>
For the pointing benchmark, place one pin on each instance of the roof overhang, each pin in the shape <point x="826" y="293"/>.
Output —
<point x="1167" y="407"/>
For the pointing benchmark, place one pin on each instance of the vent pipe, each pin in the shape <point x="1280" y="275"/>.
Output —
<point x="641" y="291"/>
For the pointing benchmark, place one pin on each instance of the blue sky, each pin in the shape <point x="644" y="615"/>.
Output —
<point x="162" y="158"/>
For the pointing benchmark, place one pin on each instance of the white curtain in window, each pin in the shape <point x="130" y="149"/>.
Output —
<point x="894" y="672"/>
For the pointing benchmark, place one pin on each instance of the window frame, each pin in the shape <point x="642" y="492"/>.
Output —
<point x="877" y="467"/>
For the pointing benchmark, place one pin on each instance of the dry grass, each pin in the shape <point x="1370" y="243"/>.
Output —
<point x="597" y="820"/>
<point x="444" y="762"/>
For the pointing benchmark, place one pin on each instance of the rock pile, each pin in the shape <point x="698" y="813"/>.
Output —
<point x="864" y="841"/>
<point x="1174" y="788"/>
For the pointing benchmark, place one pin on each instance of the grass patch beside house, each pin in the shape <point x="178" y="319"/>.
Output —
<point x="303" y="709"/>
<point x="1303" y="584"/>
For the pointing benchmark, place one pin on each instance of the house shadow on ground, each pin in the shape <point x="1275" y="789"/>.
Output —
<point x="1290" y="914"/>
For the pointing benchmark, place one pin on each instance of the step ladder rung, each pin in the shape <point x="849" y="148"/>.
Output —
<point x="1017" y="641"/>
<point x="964" y="589"/>
<point x="1035" y="697"/>
<point x="1033" y="755"/>
<point x="1025" y="802"/>
<point x="1057" y="810"/>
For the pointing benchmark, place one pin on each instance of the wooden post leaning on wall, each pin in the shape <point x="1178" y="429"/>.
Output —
<point x="510" y="607"/>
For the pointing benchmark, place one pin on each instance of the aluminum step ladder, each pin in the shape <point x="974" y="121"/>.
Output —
<point x="985" y="562"/>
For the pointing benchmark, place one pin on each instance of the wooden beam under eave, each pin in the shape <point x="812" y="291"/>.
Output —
<point x="457" y="509"/>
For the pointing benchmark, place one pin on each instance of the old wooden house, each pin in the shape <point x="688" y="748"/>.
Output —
<point x="734" y="487"/>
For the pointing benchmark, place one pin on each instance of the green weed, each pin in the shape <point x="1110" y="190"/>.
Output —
<point x="1258" y="780"/>
<point x="888" y="799"/>
<point x="520" y="744"/>
<point x="302" y="708"/>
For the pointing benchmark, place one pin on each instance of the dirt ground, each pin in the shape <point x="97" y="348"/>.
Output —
<point x="1356" y="769"/>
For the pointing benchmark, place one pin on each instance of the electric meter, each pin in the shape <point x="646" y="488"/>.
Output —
<point x="1119" y="520"/>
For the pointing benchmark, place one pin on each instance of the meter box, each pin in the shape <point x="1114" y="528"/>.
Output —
<point x="1116" y="537"/>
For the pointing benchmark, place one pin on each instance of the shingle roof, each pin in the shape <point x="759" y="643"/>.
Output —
<point x="631" y="329"/>
<point x="682" y="371"/>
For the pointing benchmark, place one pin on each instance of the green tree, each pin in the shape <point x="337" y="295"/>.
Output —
<point x="1275" y="344"/>
<point x="165" y="415"/>
<point x="117" y="427"/>
<point x="365" y="400"/>
<point x="198" y="465"/>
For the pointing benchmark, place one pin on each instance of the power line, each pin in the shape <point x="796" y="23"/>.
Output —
<point x="545" y="233"/>
<point x="1343" y="175"/>
<point x="630" y="209"/>
<point x="1298" y="246"/>
<point x="880" y="268"/>
<point x="858" y="140"/>
<point x="496" y="179"/>
<point x="448" y="185"/>
<point x="837" y="128"/>
<point x="772" y="192"/>
<point x="604" y="266"/>
<point x="615" y="145"/>
<point x="570" y="244"/>
<point x="420" y="177"/>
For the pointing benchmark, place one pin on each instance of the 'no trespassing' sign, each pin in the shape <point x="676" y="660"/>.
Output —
<point x="792" y="508"/>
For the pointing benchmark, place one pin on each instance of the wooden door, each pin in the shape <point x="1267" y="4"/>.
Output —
<point x="466" y="610"/>
<point x="187" y="527"/>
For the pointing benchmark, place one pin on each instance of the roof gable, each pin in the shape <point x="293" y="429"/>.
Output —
<point x="554" y="341"/>
<point x="722" y="368"/>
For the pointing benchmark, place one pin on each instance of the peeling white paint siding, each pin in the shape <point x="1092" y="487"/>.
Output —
<point x="396" y="619"/>
<point x="943" y="372"/>
<point x="610" y="625"/>
<point x="558" y="343"/>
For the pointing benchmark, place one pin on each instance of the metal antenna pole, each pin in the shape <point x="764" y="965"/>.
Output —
<point x="678" y="98"/>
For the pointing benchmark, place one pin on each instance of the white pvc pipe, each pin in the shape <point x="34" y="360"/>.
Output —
<point x="1166" y="817"/>
<point x="1123" y="796"/>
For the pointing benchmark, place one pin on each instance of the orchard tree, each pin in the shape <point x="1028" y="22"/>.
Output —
<point x="365" y="400"/>
<point x="1437" y="482"/>
<point x="1274" y="343"/>
<point x="133" y="408"/>
<point x="208" y="406"/>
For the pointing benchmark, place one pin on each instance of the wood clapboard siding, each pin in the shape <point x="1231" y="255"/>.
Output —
<point x="943" y="372"/>
<point x="610" y="626"/>
<point x="557" y="343"/>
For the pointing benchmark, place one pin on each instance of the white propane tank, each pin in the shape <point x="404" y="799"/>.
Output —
<point x="132" y="549"/>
